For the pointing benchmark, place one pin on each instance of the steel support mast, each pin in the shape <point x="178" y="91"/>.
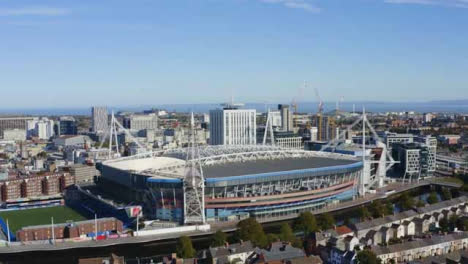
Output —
<point x="194" y="183"/>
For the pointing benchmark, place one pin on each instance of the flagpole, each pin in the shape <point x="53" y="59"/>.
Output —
<point x="8" y="232"/>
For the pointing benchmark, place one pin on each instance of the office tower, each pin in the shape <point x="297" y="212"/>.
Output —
<point x="233" y="126"/>
<point x="417" y="159"/>
<point x="393" y="138"/>
<point x="7" y="123"/>
<point x="66" y="126"/>
<point x="141" y="122"/>
<point x="286" y="117"/>
<point x="99" y="119"/>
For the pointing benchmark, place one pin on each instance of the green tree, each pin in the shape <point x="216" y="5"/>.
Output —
<point x="250" y="230"/>
<point x="306" y="223"/>
<point x="185" y="248"/>
<point x="376" y="209"/>
<point x="462" y="224"/>
<point x="286" y="233"/>
<point x="444" y="225"/>
<point x="364" y="213"/>
<point x="219" y="239"/>
<point x="326" y="221"/>
<point x="420" y="203"/>
<point x="366" y="256"/>
<point x="389" y="208"/>
<point x="406" y="202"/>
<point x="432" y="198"/>
<point x="446" y="194"/>
<point x="453" y="220"/>
<point x="271" y="238"/>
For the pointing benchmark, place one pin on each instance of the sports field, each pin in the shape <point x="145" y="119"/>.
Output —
<point x="39" y="216"/>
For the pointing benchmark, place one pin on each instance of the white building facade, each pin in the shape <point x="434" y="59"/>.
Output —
<point x="42" y="128"/>
<point x="99" y="119"/>
<point x="232" y="126"/>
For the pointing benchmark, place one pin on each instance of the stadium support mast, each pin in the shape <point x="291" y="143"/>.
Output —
<point x="386" y="160"/>
<point x="194" y="183"/>
<point x="114" y="127"/>
<point x="269" y="128"/>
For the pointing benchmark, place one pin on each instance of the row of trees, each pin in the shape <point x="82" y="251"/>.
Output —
<point x="406" y="202"/>
<point x="250" y="230"/>
<point x="453" y="222"/>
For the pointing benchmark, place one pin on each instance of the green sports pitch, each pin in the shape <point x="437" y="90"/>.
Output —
<point x="39" y="216"/>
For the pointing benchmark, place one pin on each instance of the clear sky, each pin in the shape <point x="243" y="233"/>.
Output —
<point x="130" y="52"/>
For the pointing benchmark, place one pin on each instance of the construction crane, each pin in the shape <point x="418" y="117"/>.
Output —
<point x="319" y="114"/>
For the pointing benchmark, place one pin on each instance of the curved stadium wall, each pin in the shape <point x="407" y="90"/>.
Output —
<point x="262" y="195"/>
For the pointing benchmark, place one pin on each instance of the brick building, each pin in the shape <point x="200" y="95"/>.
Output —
<point x="34" y="186"/>
<point x="69" y="230"/>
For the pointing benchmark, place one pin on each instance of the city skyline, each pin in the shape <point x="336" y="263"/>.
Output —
<point x="77" y="54"/>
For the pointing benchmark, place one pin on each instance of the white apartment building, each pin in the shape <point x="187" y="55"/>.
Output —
<point x="141" y="122"/>
<point x="99" y="119"/>
<point x="42" y="128"/>
<point x="233" y="126"/>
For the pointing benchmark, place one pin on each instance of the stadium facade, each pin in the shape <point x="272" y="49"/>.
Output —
<point x="239" y="181"/>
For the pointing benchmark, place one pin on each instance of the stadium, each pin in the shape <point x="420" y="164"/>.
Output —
<point x="238" y="181"/>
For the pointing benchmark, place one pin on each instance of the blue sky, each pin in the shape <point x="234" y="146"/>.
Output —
<point x="132" y="52"/>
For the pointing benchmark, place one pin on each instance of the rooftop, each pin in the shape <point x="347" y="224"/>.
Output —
<point x="379" y="250"/>
<point x="266" y="166"/>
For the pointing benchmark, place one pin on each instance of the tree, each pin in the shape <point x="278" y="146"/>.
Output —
<point x="364" y="213"/>
<point x="406" y="202"/>
<point x="219" y="239"/>
<point x="446" y="194"/>
<point x="185" y="248"/>
<point x="326" y="221"/>
<point x="444" y="225"/>
<point x="376" y="209"/>
<point x="366" y="256"/>
<point x="286" y="233"/>
<point x="432" y="198"/>
<point x="271" y="238"/>
<point x="306" y="223"/>
<point x="389" y="208"/>
<point x="453" y="220"/>
<point x="462" y="224"/>
<point x="420" y="203"/>
<point x="250" y="230"/>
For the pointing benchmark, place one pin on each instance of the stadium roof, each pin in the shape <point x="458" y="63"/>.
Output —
<point x="265" y="166"/>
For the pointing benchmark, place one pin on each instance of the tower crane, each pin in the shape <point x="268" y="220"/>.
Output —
<point x="319" y="113"/>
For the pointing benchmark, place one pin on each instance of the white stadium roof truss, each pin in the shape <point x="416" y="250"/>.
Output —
<point x="210" y="155"/>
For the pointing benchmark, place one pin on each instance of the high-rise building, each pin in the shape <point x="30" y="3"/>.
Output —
<point x="7" y="123"/>
<point x="66" y="126"/>
<point x="141" y="122"/>
<point x="99" y="119"/>
<point x="233" y="126"/>
<point x="326" y="128"/>
<point x="417" y="159"/>
<point x="286" y="117"/>
<point x="42" y="128"/>
<point x="393" y="138"/>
